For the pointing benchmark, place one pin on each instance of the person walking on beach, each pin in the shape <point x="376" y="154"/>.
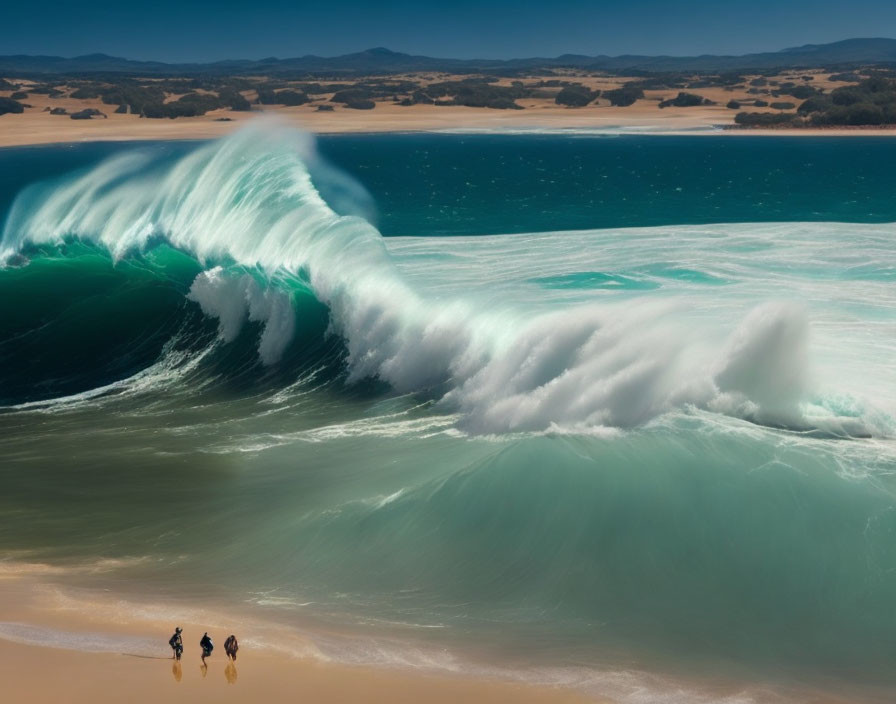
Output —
<point x="207" y="646"/>
<point x="176" y="643"/>
<point x="231" y="646"/>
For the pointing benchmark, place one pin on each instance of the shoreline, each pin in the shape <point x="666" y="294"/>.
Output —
<point x="102" y="644"/>
<point x="321" y="111"/>
<point x="116" y="653"/>
<point x="34" y="129"/>
<point x="105" y="676"/>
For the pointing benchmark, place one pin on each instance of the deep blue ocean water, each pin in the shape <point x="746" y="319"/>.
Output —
<point x="425" y="185"/>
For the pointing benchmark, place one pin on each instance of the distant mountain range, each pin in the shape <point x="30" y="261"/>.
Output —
<point x="850" y="52"/>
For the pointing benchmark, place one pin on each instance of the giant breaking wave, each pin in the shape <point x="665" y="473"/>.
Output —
<point x="248" y="210"/>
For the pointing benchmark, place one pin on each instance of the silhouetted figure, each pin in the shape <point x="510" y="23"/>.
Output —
<point x="231" y="646"/>
<point x="176" y="643"/>
<point x="207" y="646"/>
<point x="230" y="673"/>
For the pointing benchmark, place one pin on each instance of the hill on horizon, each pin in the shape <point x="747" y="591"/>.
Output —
<point x="846" y="53"/>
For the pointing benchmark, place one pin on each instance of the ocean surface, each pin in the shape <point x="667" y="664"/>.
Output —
<point x="611" y="412"/>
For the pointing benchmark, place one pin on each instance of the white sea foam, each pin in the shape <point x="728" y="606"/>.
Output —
<point x="506" y="364"/>
<point x="232" y="300"/>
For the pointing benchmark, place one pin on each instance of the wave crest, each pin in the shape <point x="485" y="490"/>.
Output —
<point x="251" y="199"/>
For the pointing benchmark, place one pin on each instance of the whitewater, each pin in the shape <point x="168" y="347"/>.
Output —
<point x="636" y="449"/>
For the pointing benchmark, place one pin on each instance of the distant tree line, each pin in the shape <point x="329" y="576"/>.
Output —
<point x="871" y="102"/>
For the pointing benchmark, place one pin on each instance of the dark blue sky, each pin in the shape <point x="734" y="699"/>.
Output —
<point x="207" y="30"/>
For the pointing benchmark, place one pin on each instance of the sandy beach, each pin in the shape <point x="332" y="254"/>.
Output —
<point x="40" y="674"/>
<point x="101" y="645"/>
<point x="37" y="126"/>
<point x="56" y="649"/>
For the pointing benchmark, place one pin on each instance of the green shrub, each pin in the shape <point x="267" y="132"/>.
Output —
<point x="86" y="92"/>
<point x="86" y="114"/>
<point x="764" y="119"/>
<point x="234" y="100"/>
<point x="189" y="105"/>
<point x="136" y="96"/>
<point x="350" y="95"/>
<point x="625" y="96"/>
<point x="848" y="77"/>
<point x="8" y="105"/>
<point x="360" y="104"/>
<point x="291" y="98"/>
<point x="818" y="103"/>
<point x="685" y="100"/>
<point x="857" y="114"/>
<point x="575" y="96"/>
<point x="802" y="92"/>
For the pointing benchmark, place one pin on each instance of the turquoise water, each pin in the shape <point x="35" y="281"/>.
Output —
<point x="586" y="447"/>
<point x="424" y="185"/>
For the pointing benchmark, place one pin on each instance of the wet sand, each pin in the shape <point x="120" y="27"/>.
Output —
<point x="50" y="653"/>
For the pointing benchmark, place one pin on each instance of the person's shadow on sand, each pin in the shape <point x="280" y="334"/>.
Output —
<point x="230" y="673"/>
<point x="176" y="671"/>
<point x="203" y="668"/>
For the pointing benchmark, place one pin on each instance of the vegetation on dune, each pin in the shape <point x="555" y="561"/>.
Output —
<point x="576" y="96"/>
<point x="360" y="104"/>
<point x="87" y="114"/>
<point x="51" y="91"/>
<point x="847" y="77"/>
<point x="142" y="99"/>
<point x="871" y="102"/>
<point x="800" y="92"/>
<point x="87" y="92"/>
<point x="8" y="105"/>
<point x="234" y="100"/>
<point x="472" y="92"/>
<point x="624" y="96"/>
<point x="478" y="93"/>
<point x="664" y="82"/>
<point x="686" y="100"/>
<point x="869" y="98"/>
<point x="284" y="97"/>
<point x="764" y="119"/>
<point x="189" y="105"/>
<point x="350" y="95"/>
